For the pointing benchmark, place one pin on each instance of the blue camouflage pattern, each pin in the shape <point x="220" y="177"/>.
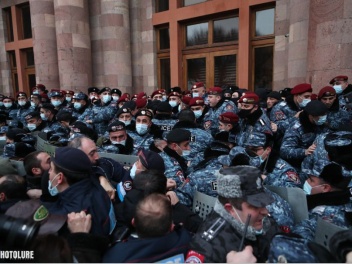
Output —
<point x="173" y="169"/>
<point x="283" y="116"/>
<point x="101" y="116"/>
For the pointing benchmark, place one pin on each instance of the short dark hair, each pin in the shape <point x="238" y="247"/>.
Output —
<point x="13" y="190"/>
<point x="187" y="115"/>
<point x="150" y="181"/>
<point x="153" y="217"/>
<point x="31" y="161"/>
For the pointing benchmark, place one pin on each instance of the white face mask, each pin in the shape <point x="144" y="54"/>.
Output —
<point x="68" y="99"/>
<point x="7" y="105"/>
<point x="3" y="138"/>
<point x="198" y="113"/>
<point x="195" y="95"/>
<point x="43" y="117"/>
<point x="141" y="129"/>
<point x="33" y="104"/>
<point x="133" y="171"/>
<point x="173" y="103"/>
<point x="164" y="98"/>
<point x="56" y="103"/>
<point x="304" y="102"/>
<point x="21" y="103"/>
<point x="126" y="122"/>
<point x="36" y="92"/>
<point x="185" y="152"/>
<point x="31" y="127"/>
<point x="77" y="105"/>
<point x="308" y="189"/>
<point x="106" y="98"/>
<point x="122" y="142"/>
<point x="115" y="98"/>
<point x="338" y="88"/>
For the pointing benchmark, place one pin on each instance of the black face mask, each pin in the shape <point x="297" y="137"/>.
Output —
<point x="243" y="113"/>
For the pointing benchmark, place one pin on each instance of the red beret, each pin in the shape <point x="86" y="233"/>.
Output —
<point x="229" y="118"/>
<point x="249" y="98"/>
<point x="301" y="88"/>
<point x="197" y="85"/>
<point x="187" y="93"/>
<point x="123" y="98"/>
<point x="196" y="101"/>
<point x="186" y="99"/>
<point x="39" y="86"/>
<point x="215" y="91"/>
<point x="338" y="78"/>
<point x="141" y="95"/>
<point x="173" y="94"/>
<point x="326" y="91"/>
<point x="69" y="92"/>
<point x="157" y="92"/>
<point x="314" y="97"/>
<point x="141" y="102"/>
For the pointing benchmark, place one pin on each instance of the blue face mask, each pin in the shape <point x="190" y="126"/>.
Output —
<point x="198" y="113"/>
<point x="56" y="103"/>
<point x="141" y="129"/>
<point x="173" y="103"/>
<point x="304" y="102"/>
<point x="106" y="98"/>
<point x="53" y="190"/>
<point x="321" y="120"/>
<point x="77" y="105"/>
<point x="43" y="117"/>
<point x="195" y="95"/>
<point x="338" y="88"/>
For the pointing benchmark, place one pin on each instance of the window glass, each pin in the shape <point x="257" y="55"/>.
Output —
<point x="29" y="57"/>
<point x="165" y="73"/>
<point x="263" y="69"/>
<point x="162" y="5"/>
<point x="197" y="34"/>
<point x="264" y="22"/>
<point x="225" y="70"/>
<point x="26" y="21"/>
<point x="196" y="71"/>
<point x="226" y="30"/>
<point x="9" y="25"/>
<point x="164" y="38"/>
<point x="192" y="2"/>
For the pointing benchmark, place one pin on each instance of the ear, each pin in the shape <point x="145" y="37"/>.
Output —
<point x="268" y="149"/>
<point x="327" y="188"/>
<point x="2" y="197"/>
<point x="228" y="207"/>
<point x="132" y="222"/>
<point x="60" y="178"/>
<point x="36" y="171"/>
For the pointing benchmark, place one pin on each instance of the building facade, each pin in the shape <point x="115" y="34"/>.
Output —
<point x="143" y="45"/>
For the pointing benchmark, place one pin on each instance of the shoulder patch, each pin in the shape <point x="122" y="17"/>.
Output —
<point x="279" y="115"/>
<point x="194" y="257"/>
<point x="229" y="107"/>
<point x="293" y="176"/>
<point x="180" y="175"/>
<point x="40" y="214"/>
<point x="207" y="125"/>
<point x="127" y="185"/>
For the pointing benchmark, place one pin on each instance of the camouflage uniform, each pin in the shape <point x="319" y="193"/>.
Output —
<point x="284" y="175"/>
<point x="282" y="114"/>
<point x="333" y="214"/>
<point x="336" y="119"/>
<point x="53" y="125"/>
<point x="211" y="118"/>
<point x="256" y="122"/>
<point x="21" y="113"/>
<point x="164" y="124"/>
<point x="174" y="170"/>
<point x="127" y="149"/>
<point x="101" y="116"/>
<point x="200" y="140"/>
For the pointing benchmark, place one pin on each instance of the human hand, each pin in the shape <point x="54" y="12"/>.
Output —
<point x="310" y="150"/>
<point x="173" y="197"/>
<point x="170" y="184"/>
<point x="297" y="114"/>
<point x="244" y="256"/>
<point x="79" y="222"/>
<point x="107" y="187"/>
<point x="273" y="127"/>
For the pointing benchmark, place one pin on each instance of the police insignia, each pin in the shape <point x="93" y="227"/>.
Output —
<point x="179" y="174"/>
<point x="194" y="257"/>
<point x="207" y="124"/>
<point x="279" y="115"/>
<point x="293" y="176"/>
<point x="127" y="185"/>
<point x="229" y="107"/>
<point x="40" y="214"/>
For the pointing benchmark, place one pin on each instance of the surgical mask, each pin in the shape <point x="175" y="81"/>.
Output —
<point x="321" y="120"/>
<point x="173" y="103"/>
<point x="122" y="142"/>
<point x="198" y="113"/>
<point x="68" y="99"/>
<point x="31" y="127"/>
<point x="33" y="104"/>
<point x="106" y="98"/>
<point x="53" y="190"/>
<point x="164" y="98"/>
<point x="338" y="88"/>
<point x="56" y="103"/>
<point x="304" y="102"/>
<point x="115" y="98"/>
<point x="77" y="105"/>
<point x="195" y="95"/>
<point x="243" y="113"/>
<point x="141" y="129"/>
<point x="43" y="117"/>
<point x="21" y="103"/>
<point x="3" y="138"/>
<point x="7" y="105"/>
<point x="126" y="122"/>
<point x="133" y="171"/>
<point x="185" y="152"/>
<point x="35" y="92"/>
<point x="308" y="189"/>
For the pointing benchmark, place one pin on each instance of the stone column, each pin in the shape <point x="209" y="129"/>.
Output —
<point x="44" y="43"/>
<point x="111" y="44"/>
<point x="73" y="44"/>
<point x="5" y="70"/>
